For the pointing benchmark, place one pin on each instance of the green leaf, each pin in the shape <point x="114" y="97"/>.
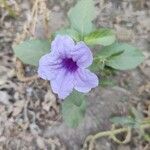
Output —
<point x="71" y="32"/>
<point x="107" y="82"/>
<point x="122" y="56"/>
<point x="81" y="16"/>
<point x="73" y="109"/>
<point x="137" y="116"/>
<point x="101" y="36"/>
<point x="98" y="64"/>
<point x="30" y="51"/>
<point x="128" y="121"/>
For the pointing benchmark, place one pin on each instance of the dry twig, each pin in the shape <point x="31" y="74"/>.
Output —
<point x="39" y="8"/>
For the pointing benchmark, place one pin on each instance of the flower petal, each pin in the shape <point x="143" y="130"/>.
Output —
<point x="85" y="80"/>
<point x="63" y="83"/>
<point x="62" y="45"/>
<point x="48" y="66"/>
<point x="82" y="55"/>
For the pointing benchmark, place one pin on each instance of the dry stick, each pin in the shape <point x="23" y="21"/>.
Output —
<point x="19" y="65"/>
<point x="20" y="73"/>
<point x="34" y="16"/>
<point x="44" y="11"/>
<point x="91" y="139"/>
<point x="32" y="25"/>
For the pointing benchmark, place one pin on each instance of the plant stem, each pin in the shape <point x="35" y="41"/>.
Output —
<point x="111" y="133"/>
<point x="117" y="131"/>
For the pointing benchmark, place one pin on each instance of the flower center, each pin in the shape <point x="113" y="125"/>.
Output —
<point x="69" y="64"/>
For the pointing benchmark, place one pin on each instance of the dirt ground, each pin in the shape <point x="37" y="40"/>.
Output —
<point x="30" y="116"/>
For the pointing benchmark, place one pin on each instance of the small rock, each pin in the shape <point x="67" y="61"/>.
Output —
<point x="4" y="98"/>
<point x="123" y="147"/>
<point x="40" y="143"/>
<point x="56" y="8"/>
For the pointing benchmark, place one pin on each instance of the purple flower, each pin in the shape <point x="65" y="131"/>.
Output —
<point x="65" y="66"/>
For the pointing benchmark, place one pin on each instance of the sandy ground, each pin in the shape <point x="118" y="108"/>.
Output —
<point x="30" y="116"/>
